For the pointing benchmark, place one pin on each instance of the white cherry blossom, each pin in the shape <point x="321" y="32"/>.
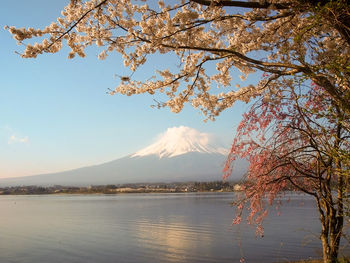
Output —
<point x="304" y="40"/>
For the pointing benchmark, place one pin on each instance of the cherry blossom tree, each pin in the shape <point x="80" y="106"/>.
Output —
<point x="309" y="40"/>
<point x="296" y="141"/>
<point x="302" y="132"/>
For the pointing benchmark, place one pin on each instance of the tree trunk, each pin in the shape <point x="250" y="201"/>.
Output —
<point x="330" y="244"/>
<point x="332" y="227"/>
<point x="330" y="252"/>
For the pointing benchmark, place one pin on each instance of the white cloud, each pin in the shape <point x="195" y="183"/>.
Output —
<point x="16" y="139"/>
<point x="12" y="135"/>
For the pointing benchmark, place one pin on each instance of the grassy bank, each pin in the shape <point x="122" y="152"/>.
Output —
<point x="340" y="260"/>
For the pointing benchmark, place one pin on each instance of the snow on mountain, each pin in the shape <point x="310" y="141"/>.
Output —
<point x="180" y="154"/>
<point x="180" y="140"/>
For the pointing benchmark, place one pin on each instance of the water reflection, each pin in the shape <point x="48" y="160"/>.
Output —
<point x="175" y="240"/>
<point x="149" y="228"/>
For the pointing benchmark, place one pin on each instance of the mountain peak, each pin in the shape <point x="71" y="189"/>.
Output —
<point x="180" y="140"/>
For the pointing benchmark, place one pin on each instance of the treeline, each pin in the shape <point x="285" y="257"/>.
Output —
<point x="214" y="186"/>
<point x="123" y="188"/>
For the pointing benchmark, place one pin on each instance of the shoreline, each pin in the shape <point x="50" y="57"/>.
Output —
<point x="189" y="187"/>
<point x="341" y="259"/>
<point x="114" y="194"/>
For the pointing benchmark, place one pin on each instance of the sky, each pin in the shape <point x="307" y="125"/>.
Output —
<point x="55" y="114"/>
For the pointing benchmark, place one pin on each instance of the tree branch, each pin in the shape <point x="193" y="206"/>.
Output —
<point x="243" y="4"/>
<point x="75" y="24"/>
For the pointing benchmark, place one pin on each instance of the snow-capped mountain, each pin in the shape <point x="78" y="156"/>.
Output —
<point x="180" y="140"/>
<point x="178" y="155"/>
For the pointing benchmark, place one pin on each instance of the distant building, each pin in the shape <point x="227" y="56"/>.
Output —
<point x="237" y="187"/>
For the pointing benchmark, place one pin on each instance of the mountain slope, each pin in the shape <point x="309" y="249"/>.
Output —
<point x="180" y="154"/>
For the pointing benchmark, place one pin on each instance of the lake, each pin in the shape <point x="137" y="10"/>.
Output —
<point x="193" y="227"/>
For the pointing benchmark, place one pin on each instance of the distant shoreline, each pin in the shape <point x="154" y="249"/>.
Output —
<point x="189" y="187"/>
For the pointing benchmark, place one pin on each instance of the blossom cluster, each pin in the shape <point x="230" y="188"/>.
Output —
<point x="299" y="142"/>
<point x="279" y="40"/>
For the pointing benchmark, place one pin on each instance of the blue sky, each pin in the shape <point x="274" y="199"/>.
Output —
<point x="55" y="114"/>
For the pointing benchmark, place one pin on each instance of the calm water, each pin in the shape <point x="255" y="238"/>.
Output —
<point x="150" y="228"/>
